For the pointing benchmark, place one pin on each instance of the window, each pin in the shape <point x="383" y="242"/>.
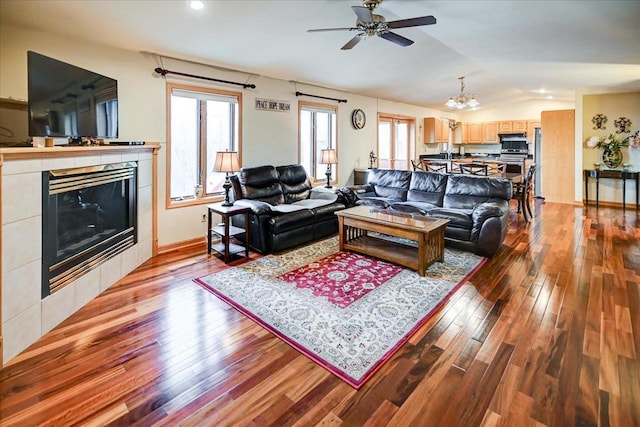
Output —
<point x="317" y="132"/>
<point x="395" y="141"/>
<point x="202" y="122"/>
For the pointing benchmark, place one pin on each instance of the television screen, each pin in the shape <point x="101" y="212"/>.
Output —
<point x="69" y="101"/>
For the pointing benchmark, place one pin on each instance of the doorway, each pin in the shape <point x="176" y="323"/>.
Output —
<point x="395" y="141"/>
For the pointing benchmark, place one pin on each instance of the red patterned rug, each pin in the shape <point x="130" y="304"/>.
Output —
<point x="332" y="310"/>
<point x="343" y="277"/>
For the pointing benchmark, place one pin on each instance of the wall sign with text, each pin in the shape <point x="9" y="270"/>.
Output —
<point x="272" y="105"/>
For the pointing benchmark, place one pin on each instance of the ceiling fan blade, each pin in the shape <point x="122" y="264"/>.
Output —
<point x="412" y="22"/>
<point x="396" y="38"/>
<point x="363" y="14"/>
<point x="317" y="30"/>
<point x="354" y="41"/>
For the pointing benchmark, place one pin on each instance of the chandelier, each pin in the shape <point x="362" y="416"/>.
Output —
<point x="462" y="101"/>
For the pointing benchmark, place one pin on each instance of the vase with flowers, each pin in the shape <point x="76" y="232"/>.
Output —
<point x="612" y="145"/>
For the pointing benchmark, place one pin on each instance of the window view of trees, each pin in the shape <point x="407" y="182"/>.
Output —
<point x="203" y="122"/>
<point x="317" y="132"/>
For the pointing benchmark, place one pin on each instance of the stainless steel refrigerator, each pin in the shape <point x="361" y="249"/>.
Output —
<point x="537" y="156"/>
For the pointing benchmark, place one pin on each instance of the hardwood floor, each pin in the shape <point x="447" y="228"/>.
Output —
<point x="547" y="333"/>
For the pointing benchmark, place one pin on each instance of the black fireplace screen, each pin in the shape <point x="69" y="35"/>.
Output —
<point x="89" y="216"/>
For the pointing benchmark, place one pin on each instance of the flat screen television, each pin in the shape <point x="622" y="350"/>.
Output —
<point x="69" y="101"/>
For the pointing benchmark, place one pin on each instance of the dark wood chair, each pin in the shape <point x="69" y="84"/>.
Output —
<point x="474" y="168"/>
<point x="522" y="193"/>
<point x="435" y="166"/>
<point x="417" y="165"/>
<point x="495" y="168"/>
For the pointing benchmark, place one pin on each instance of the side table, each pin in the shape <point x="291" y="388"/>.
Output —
<point x="226" y="231"/>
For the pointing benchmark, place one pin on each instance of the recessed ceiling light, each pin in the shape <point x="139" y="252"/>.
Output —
<point x="196" y="4"/>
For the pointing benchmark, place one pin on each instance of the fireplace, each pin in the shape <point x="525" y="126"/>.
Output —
<point x="89" y="215"/>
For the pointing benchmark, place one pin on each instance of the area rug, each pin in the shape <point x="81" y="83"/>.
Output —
<point x="342" y="278"/>
<point x="347" y="312"/>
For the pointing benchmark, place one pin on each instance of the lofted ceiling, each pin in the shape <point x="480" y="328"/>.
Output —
<point x="508" y="51"/>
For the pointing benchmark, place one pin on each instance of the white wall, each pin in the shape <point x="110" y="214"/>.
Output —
<point x="613" y="106"/>
<point x="527" y="110"/>
<point x="268" y="137"/>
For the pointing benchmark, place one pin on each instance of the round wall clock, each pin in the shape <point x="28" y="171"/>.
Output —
<point x="358" y="119"/>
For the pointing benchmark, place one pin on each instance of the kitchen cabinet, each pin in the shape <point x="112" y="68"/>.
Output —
<point x="436" y="130"/>
<point x="505" y="126"/>
<point x="519" y="126"/>
<point x="531" y="130"/>
<point x="472" y="133"/>
<point x="512" y="126"/>
<point x="490" y="132"/>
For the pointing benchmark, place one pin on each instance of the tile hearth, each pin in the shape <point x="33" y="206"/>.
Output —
<point x="25" y="316"/>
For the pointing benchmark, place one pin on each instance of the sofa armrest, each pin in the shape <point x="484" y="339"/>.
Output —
<point x="489" y="209"/>
<point x="486" y="210"/>
<point x="258" y="207"/>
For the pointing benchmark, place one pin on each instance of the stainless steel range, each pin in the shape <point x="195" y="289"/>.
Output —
<point x="514" y="144"/>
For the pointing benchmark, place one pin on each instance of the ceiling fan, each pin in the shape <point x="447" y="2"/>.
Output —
<point x="369" y="24"/>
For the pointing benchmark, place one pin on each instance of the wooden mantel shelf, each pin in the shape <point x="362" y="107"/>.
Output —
<point x="66" y="151"/>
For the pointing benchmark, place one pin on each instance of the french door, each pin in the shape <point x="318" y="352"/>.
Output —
<point x="395" y="141"/>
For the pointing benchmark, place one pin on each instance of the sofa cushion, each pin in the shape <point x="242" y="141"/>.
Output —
<point x="294" y="182"/>
<point x="423" y="206"/>
<point x="286" y="208"/>
<point x="260" y="183"/>
<point x="389" y="183"/>
<point x="313" y="203"/>
<point x="466" y="192"/>
<point x="327" y="212"/>
<point x="375" y="202"/>
<point x="289" y="221"/>
<point x="427" y="187"/>
<point x="461" y="218"/>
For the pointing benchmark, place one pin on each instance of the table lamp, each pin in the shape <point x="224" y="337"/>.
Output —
<point x="226" y="161"/>
<point x="329" y="157"/>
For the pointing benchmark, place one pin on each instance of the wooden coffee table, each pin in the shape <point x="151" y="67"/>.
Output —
<point x="356" y="223"/>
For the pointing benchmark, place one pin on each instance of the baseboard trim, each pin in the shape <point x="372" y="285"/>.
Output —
<point x="192" y="243"/>
<point x="607" y="204"/>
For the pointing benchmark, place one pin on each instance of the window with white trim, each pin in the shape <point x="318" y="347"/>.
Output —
<point x="202" y="122"/>
<point x="317" y="129"/>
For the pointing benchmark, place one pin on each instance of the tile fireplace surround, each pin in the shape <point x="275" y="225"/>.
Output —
<point x="25" y="316"/>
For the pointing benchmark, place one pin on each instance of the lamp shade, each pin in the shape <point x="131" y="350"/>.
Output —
<point x="329" y="157"/>
<point x="226" y="161"/>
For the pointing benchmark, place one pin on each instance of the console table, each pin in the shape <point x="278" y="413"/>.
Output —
<point x="611" y="174"/>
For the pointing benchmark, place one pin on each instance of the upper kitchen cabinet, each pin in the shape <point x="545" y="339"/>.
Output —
<point x="531" y="130"/>
<point x="519" y="126"/>
<point x="472" y="133"/>
<point x="490" y="132"/>
<point x="436" y="130"/>
<point x="512" y="126"/>
<point x="505" y="126"/>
